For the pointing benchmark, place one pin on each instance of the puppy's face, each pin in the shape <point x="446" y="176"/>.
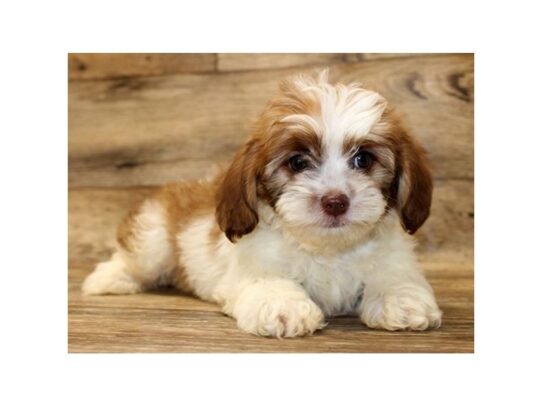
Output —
<point x="331" y="161"/>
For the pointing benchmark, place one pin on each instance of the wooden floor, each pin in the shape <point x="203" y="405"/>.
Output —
<point x="168" y="321"/>
<point x="137" y="121"/>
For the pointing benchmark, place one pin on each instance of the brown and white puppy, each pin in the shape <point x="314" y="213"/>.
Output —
<point x="311" y="219"/>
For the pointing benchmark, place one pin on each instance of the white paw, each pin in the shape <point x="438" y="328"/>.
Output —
<point x="409" y="307"/>
<point x="278" y="313"/>
<point x="110" y="277"/>
<point x="282" y="318"/>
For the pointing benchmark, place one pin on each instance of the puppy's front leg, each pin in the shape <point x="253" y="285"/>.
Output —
<point x="397" y="298"/>
<point x="274" y="307"/>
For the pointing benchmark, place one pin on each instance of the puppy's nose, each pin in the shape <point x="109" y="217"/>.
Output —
<point x="335" y="204"/>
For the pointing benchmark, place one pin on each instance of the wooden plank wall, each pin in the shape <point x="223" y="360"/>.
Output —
<point x="140" y="120"/>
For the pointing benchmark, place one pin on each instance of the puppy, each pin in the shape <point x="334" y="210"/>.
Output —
<point x="311" y="219"/>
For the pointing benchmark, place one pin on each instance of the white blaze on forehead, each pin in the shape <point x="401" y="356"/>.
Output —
<point x="349" y="110"/>
<point x="344" y="110"/>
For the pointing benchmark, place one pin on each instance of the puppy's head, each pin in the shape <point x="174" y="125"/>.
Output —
<point x="331" y="161"/>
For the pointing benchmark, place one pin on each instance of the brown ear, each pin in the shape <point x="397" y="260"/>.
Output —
<point x="415" y="187"/>
<point x="236" y="209"/>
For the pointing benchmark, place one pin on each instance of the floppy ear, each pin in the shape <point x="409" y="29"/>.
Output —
<point x="415" y="187"/>
<point x="236" y="198"/>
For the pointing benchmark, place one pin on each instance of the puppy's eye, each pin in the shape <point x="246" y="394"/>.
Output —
<point x="297" y="163"/>
<point x="362" y="160"/>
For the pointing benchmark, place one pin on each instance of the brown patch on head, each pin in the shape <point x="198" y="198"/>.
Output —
<point x="412" y="188"/>
<point x="352" y="144"/>
<point x="291" y="114"/>
<point x="292" y="100"/>
<point x="287" y="143"/>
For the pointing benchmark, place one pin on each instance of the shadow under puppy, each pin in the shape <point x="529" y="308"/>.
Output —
<point x="311" y="219"/>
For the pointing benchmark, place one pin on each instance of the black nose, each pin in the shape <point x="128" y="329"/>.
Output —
<point x="335" y="204"/>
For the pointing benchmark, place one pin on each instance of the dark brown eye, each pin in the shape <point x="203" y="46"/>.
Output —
<point x="362" y="160"/>
<point x="297" y="163"/>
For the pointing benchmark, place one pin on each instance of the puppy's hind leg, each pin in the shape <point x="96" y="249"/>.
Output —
<point x="144" y="259"/>
<point x="112" y="277"/>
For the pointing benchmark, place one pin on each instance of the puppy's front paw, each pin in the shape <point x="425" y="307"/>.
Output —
<point x="281" y="317"/>
<point x="277" y="308"/>
<point x="409" y="307"/>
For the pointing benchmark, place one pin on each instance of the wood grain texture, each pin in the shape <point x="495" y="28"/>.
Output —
<point x="148" y="131"/>
<point x="107" y="66"/>
<point x="169" y="321"/>
<point x="249" y="62"/>
<point x="246" y="62"/>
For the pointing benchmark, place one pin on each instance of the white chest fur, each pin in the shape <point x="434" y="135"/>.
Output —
<point x="334" y="281"/>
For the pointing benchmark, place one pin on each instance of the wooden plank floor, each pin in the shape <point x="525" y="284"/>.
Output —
<point x="137" y="121"/>
<point x="169" y="321"/>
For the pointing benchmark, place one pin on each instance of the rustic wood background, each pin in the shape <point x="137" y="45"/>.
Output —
<point x="136" y="121"/>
